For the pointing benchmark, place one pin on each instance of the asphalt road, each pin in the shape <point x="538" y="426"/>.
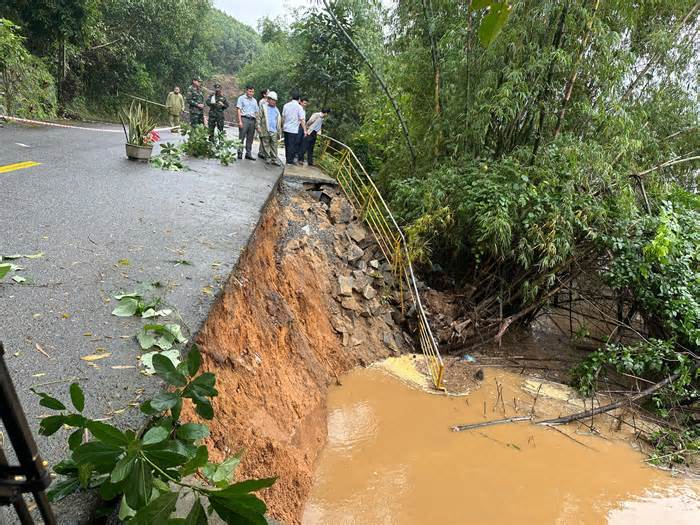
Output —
<point x="106" y="224"/>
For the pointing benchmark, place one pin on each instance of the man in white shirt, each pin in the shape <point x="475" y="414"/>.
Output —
<point x="293" y="118"/>
<point x="313" y="128"/>
<point x="247" y="115"/>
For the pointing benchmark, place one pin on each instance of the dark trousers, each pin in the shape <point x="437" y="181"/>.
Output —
<point x="245" y="135"/>
<point x="215" y="122"/>
<point x="290" y="141"/>
<point x="308" y="148"/>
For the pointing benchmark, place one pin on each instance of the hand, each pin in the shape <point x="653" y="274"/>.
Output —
<point x="240" y="124"/>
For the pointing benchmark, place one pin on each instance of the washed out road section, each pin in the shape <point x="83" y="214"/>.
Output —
<point x="106" y="224"/>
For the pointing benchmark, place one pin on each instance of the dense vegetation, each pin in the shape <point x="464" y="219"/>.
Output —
<point x="558" y="160"/>
<point x="90" y="53"/>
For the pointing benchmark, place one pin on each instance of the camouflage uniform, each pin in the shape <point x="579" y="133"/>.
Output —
<point x="216" y="112"/>
<point x="194" y="97"/>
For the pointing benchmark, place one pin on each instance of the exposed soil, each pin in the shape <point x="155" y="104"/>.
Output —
<point x="282" y="332"/>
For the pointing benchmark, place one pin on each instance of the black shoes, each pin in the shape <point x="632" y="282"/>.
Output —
<point x="250" y="157"/>
<point x="240" y="156"/>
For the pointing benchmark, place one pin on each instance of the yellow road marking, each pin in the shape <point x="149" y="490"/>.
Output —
<point x="18" y="166"/>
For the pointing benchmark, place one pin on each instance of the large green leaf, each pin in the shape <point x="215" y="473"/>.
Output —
<point x="241" y="509"/>
<point x="97" y="453"/>
<point x="164" y="401"/>
<point x="198" y="461"/>
<point x="50" y="425"/>
<point x="63" y="488"/>
<point x="194" y="360"/>
<point x="139" y="484"/>
<point x="493" y="22"/>
<point x="167" y="371"/>
<point x="250" y="485"/>
<point x="77" y="397"/>
<point x="123" y="468"/>
<point x="157" y="511"/>
<point x="49" y="402"/>
<point x="166" y="454"/>
<point x="223" y="472"/>
<point x="108" y="434"/>
<point x="192" y="432"/>
<point x="155" y="435"/>
<point x="126" y="307"/>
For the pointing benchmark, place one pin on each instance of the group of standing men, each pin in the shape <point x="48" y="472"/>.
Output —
<point x="262" y="116"/>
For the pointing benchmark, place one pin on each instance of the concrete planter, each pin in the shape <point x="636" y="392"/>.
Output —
<point x="140" y="153"/>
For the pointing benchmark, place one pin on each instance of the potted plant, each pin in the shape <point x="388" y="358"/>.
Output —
<point x="141" y="134"/>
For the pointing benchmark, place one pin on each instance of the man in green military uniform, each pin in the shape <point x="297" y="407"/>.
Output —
<point x="195" y="101"/>
<point x="217" y="105"/>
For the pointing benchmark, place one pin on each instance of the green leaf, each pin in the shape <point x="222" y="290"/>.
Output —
<point x="204" y="409"/>
<point x="126" y="308"/>
<point x="50" y="425"/>
<point x="75" y="439"/>
<point x="493" y="22"/>
<point x="84" y="474"/>
<point x="250" y="485"/>
<point x="109" y="491"/>
<point x="155" y="435"/>
<point x="164" y="401"/>
<point x="4" y="269"/>
<point x="198" y="461"/>
<point x="157" y="511"/>
<point x="139" y="485"/>
<point x="125" y="511"/>
<point x="192" y="432"/>
<point x="244" y="509"/>
<point x="123" y="468"/>
<point x="197" y="515"/>
<point x="194" y="360"/>
<point x="49" y="402"/>
<point x="224" y="471"/>
<point x="145" y="340"/>
<point x="64" y="488"/>
<point x="107" y="433"/>
<point x="97" y="453"/>
<point x="77" y="397"/>
<point x="167" y="371"/>
<point x="166" y="454"/>
<point x="18" y="279"/>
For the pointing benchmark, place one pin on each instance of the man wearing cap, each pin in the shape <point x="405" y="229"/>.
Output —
<point x="270" y="128"/>
<point x="195" y="101"/>
<point x="217" y="105"/>
<point x="247" y="115"/>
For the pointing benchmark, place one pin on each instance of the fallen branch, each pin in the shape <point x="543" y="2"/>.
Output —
<point x="460" y="428"/>
<point x="611" y="406"/>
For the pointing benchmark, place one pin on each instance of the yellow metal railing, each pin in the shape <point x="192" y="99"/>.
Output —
<point x="340" y="162"/>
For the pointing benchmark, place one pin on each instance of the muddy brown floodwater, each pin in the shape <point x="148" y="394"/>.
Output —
<point x="391" y="458"/>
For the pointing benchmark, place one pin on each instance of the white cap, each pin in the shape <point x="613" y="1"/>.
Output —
<point x="272" y="95"/>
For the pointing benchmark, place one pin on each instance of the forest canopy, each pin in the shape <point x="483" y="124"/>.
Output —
<point x="95" y="51"/>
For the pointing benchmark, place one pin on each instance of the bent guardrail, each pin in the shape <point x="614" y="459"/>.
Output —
<point x="344" y="166"/>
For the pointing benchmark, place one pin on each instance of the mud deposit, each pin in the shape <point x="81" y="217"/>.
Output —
<point x="391" y="458"/>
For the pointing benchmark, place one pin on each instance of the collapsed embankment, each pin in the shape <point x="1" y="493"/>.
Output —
<point x="311" y="299"/>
